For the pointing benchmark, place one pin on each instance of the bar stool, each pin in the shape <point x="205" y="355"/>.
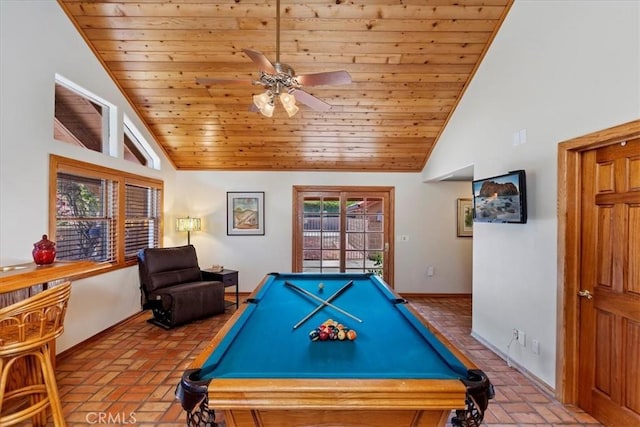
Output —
<point x="27" y="328"/>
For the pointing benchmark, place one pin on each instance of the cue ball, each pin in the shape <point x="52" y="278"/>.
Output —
<point x="321" y="286"/>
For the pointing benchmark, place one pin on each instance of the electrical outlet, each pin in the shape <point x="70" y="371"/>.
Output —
<point x="535" y="346"/>
<point x="521" y="338"/>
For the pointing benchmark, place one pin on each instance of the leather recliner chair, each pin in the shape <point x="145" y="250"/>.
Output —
<point x="172" y="287"/>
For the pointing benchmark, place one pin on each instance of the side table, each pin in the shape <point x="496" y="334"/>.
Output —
<point x="228" y="278"/>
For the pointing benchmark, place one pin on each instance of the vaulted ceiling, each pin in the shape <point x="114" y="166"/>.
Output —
<point x="409" y="60"/>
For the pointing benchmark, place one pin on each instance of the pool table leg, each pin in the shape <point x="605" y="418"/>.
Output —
<point x="193" y="395"/>
<point x="479" y="392"/>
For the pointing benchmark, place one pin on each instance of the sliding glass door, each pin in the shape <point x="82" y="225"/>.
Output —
<point x="343" y="229"/>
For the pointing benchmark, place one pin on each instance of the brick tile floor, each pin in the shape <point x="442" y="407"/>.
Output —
<point x="518" y="401"/>
<point x="127" y="376"/>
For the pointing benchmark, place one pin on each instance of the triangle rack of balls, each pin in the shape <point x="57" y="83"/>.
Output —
<point x="330" y="330"/>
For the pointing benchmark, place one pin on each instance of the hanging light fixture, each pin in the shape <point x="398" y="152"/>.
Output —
<point x="284" y="78"/>
<point x="265" y="102"/>
<point x="280" y="80"/>
<point x="289" y="103"/>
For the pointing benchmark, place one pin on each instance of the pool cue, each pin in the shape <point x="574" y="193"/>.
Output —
<point x="331" y="298"/>
<point x="291" y="285"/>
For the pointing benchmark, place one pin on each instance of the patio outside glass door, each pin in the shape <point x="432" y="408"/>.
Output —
<point x="341" y="230"/>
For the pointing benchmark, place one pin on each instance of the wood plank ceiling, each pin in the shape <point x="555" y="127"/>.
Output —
<point x="409" y="60"/>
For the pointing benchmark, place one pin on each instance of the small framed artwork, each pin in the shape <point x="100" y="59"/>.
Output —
<point x="245" y="213"/>
<point x="465" y="218"/>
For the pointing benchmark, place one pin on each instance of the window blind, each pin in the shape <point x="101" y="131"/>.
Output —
<point x="142" y="217"/>
<point x="86" y="226"/>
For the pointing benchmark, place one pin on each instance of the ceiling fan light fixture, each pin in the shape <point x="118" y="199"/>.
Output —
<point x="263" y="99"/>
<point x="264" y="102"/>
<point x="289" y="103"/>
<point x="267" y="110"/>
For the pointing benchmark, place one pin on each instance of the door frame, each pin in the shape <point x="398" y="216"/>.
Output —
<point x="570" y="154"/>
<point x="389" y="252"/>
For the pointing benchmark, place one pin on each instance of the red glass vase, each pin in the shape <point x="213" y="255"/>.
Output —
<point x="44" y="251"/>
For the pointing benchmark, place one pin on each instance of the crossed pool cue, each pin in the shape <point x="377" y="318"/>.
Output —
<point x="328" y="300"/>
<point x="323" y="302"/>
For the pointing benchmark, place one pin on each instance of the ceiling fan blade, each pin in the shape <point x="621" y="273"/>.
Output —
<point x="261" y="61"/>
<point x="229" y="82"/>
<point x="310" y="100"/>
<point x="327" y="78"/>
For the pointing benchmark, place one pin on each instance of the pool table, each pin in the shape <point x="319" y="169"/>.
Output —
<point x="263" y="369"/>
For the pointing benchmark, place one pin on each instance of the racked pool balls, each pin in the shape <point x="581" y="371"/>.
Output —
<point x="330" y="330"/>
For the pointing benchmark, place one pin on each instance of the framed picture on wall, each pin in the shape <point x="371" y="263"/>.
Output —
<point x="245" y="213"/>
<point x="465" y="218"/>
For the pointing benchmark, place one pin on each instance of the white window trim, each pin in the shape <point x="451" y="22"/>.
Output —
<point x="153" y="160"/>
<point x="109" y="120"/>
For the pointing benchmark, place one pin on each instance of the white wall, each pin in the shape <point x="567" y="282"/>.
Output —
<point x="424" y="212"/>
<point x="38" y="41"/>
<point x="559" y="70"/>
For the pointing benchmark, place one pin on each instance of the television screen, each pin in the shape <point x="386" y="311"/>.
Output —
<point x="501" y="198"/>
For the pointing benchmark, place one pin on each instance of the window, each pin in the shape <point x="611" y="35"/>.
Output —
<point x="142" y="214"/>
<point x="131" y="151"/>
<point x="80" y="118"/>
<point x="136" y="148"/>
<point x="85" y="220"/>
<point x="101" y="214"/>
<point x="86" y="120"/>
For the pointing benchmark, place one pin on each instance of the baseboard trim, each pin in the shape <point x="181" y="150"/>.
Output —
<point x="421" y="295"/>
<point x="544" y="387"/>
<point x="100" y="334"/>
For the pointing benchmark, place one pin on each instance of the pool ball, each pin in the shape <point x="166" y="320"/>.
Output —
<point x="314" y="335"/>
<point x="351" y="335"/>
<point x="341" y="334"/>
<point x="329" y="322"/>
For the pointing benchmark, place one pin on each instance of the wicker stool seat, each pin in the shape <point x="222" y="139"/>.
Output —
<point x="27" y="378"/>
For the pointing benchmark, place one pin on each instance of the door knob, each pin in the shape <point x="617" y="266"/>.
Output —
<point x="585" y="294"/>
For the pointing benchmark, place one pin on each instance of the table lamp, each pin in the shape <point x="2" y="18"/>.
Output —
<point x="188" y="224"/>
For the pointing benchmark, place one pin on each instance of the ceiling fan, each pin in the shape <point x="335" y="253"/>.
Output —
<point x="281" y="80"/>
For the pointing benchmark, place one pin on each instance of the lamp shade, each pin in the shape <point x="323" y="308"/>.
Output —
<point x="264" y="102"/>
<point x="263" y="99"/>
<point x="289" y="103"/>
<point x="267" y="110"/>
<point x="188" y="224"/>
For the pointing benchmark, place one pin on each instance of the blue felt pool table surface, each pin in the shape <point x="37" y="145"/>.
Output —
<point x="391" y="343"/>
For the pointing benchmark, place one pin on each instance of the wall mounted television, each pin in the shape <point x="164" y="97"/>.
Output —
<point x="501" y="198"/>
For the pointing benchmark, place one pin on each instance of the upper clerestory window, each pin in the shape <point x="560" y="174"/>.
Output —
<point x="80" y="119"/>
<point x="86" y="120"/>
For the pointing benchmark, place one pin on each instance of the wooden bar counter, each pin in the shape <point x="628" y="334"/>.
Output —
<point x="21" y="276"/>
<point x="20" y="281"/>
